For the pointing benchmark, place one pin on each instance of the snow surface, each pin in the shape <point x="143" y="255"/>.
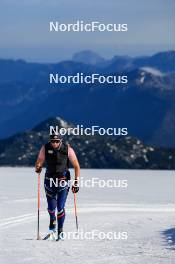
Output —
<point x="145" y="210"/>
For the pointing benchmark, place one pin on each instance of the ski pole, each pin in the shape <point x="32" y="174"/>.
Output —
<point x="75" y="211"/>
<point x="38" y="231"/>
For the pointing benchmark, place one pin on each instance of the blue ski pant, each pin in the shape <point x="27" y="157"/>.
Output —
<point x="56" y="199"/>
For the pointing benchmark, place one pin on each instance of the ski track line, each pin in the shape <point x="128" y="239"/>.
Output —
<point x="14" y="218"/>
<point x="26" y="200"/>
<point x="18" y="220"/>
<point x="13" y="221"/>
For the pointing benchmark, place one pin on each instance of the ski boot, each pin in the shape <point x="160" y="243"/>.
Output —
<point x="60" y="234"/>
<point x="52" y="231"/>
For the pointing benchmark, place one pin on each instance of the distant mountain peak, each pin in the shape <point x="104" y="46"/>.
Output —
<point x="163" y="54"/>
<point x="88" y="57"/>
<point x="52" y="121"/>
<point x="62" y="122"/>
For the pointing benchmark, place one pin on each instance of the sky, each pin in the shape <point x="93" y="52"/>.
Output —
<point x="24" y="28"/>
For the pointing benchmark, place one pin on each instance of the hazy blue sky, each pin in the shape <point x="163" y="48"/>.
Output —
<point x="24" y="28"/>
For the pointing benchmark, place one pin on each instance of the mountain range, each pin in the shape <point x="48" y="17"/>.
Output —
<point x="97" y="151"/>
<point x="145" y="105"/>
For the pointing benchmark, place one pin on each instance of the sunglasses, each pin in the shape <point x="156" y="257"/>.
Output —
<point x="55" y="141"/>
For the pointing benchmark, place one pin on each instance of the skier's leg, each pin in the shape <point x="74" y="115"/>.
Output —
<point x="61" y="200"/>
<point x="51" y="202"/>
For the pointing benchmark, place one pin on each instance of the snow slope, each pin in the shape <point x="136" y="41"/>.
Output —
<point x="145" y="210"/>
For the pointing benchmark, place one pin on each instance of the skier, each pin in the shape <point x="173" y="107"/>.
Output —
<point x="57" y="154"/>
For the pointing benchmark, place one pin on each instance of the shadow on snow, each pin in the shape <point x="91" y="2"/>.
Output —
<point x="169" y="235"/>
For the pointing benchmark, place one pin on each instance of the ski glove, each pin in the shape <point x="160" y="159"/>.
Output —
<point x="75" y="187"/>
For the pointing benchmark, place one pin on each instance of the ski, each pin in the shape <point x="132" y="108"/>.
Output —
<point x="51" y="236"/>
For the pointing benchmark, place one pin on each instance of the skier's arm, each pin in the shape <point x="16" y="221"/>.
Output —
<point x="74" y="161"/>
<point x="40" y="160"/>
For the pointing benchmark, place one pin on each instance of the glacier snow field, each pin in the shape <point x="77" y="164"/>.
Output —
<point x="141" y="205"/>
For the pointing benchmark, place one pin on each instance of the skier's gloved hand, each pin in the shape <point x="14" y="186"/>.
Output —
<point x="38" y="169"/>
<point x="75" y="187"/>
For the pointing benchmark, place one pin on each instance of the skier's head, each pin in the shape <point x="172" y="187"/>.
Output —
<point x="55" y="140"/>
